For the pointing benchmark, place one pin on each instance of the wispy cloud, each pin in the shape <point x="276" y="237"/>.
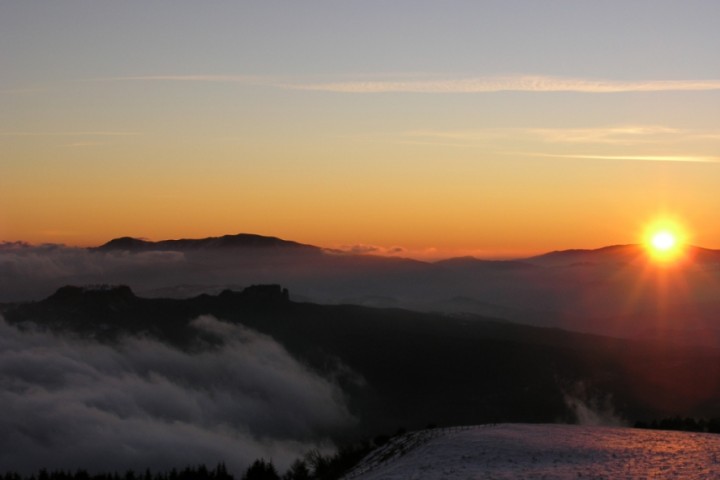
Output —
<point x="641" y="158"/>
<point x="507" y="84"/>
<point x="620" y="142"/>
<point x="365" y="249"/>
<point x="620" y="134"/>
<point x="433" y="83"/>
<point x="609" y="135"/>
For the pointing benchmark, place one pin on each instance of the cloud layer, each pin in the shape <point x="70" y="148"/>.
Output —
<point x="66" y="403"/>
<point x="34" y="272"/>
<point x="617" y="142"/>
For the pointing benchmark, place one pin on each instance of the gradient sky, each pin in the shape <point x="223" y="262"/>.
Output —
<point x="492" y="128"/>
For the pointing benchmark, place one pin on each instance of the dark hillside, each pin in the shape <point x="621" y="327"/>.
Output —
<point x="403" y="368"/>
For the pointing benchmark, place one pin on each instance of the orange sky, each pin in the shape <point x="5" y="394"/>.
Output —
<point x="471" y="131"/>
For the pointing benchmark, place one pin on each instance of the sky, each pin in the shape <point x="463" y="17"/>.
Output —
<point x="491" y="128"/>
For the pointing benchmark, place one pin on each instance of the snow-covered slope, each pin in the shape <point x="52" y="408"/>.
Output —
<point x="517" y="451"/>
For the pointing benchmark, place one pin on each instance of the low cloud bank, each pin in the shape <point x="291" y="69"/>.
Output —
<point x="29" y="272"/>
<point x="67" y="403"/>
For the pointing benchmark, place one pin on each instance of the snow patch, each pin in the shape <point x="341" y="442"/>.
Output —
<point x="519" y="451"/>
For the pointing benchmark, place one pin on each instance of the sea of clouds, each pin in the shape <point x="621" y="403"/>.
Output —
<point x="68" y="403"/>
<point x="33" y="272"/>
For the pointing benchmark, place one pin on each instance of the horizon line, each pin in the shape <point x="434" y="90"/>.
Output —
<point x="427" y="255"/>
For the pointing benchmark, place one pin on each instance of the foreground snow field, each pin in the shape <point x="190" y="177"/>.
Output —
<point x="512" y="451"/>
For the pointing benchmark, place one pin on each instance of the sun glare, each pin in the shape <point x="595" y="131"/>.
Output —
<point x="664" y="241"/>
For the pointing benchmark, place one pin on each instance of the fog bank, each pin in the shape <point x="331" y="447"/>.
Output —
<point x="67" y="403"/>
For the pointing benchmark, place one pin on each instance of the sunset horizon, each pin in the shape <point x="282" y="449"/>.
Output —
<point x="359" y="239"/>
<point x="427" y="253"/>
<point x="533" y="130"/>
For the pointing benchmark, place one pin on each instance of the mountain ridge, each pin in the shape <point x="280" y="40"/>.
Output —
<point x="620" y="253"/>
<point x="232" y="241"/>
<point x="617" y="252"/>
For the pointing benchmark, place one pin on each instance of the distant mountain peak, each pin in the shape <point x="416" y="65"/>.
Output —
<point x="618" y="254"/>
<point x="105" y="293"/>
<point x="613" y="253"/>
<point x="124" y="243"/>
<point x="606" y="249"/>
<point x="240" y="240"/>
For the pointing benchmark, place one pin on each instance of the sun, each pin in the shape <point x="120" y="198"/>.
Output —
<point x="664" y="241"/>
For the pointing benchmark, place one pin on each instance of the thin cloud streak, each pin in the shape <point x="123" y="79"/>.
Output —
<point x="641" y="158"/>
<point x="509" y="84"/>
<point x="612" y="135"/>
<point x="524" y="83"/>
<point x="609" y="135"/>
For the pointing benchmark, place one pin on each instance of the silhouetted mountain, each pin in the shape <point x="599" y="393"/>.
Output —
<point x="618" y="290"/>
<point x="106" y="294"/>
<point x="704" y="255"/>
<point x="400" y="367"/>
<point x="610" y="254"/>
<point x="617" y="255"/>
<point x="242" y="240"/>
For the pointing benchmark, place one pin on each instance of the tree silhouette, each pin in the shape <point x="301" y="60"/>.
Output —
<point x="261" y="470"/>
<point x="298" y="471"/>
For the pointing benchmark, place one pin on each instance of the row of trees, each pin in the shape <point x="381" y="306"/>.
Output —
<point x="314" y="466"/>
<point x="200" y="472"/>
